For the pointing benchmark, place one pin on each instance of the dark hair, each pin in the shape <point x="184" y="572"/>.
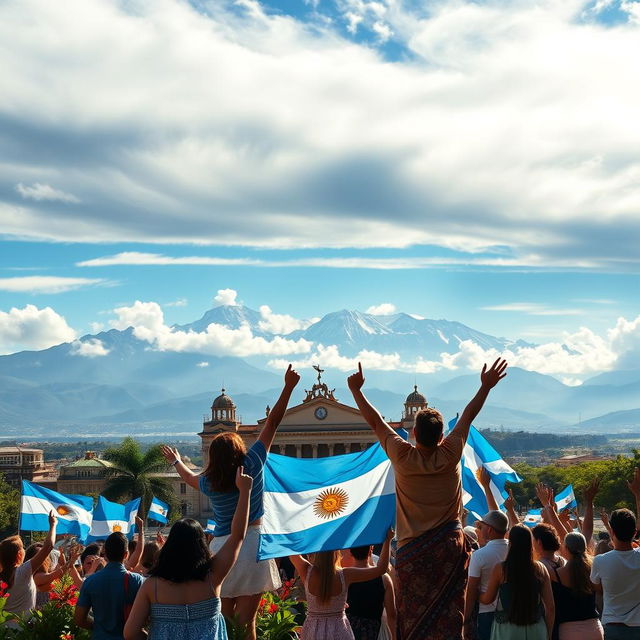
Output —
<point x="9" y="551"/>
<point x="149" y="554"/>
<point x="31" y="551"/>
<point x="428" y="427"/>
<point x="523" y="575"/>
<point x="90" y="550"/>
<point x="115" y="547"/>
<point x="547" y="536"/>
<point x="623" y="524"/>
<point x="578" y="564"/>
<point x="226" y="454"/>
<point x="185" y="555"/>
<point x="360" y="553"/>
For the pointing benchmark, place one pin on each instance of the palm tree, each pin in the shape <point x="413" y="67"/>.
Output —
<point x="133" y="474"/>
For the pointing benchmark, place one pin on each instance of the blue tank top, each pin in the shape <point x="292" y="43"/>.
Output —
<point x="223" y="504"/>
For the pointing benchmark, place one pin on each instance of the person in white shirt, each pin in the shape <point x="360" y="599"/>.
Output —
<point x="616" y="575"/>
<point x="492" y="530"/>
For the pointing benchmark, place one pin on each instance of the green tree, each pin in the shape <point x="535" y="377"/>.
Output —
<point x="9" y="508"/>
<point x="133" y="474"/>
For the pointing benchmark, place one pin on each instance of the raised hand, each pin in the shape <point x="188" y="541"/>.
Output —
<point x="543" y="494"/>
<point x="53" y="519"/>
<point x="356" y="380"/>
<point x="490" y="378"/>
<point x="509" y="502"/>
<point x="591" y="490"/>
<point x="243" y="481"/>
<point x="170" y="454"/>
<point x="604" y="516"/>
<point x="634" y="485"/>
<point x="291" y="377"/>
<point x="484" y="477"/>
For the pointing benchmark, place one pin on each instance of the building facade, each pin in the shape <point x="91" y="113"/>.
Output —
<point x="20" y="463"/>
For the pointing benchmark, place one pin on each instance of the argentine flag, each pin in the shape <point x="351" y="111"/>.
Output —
<point x="110" y="517"/>
<point x="479" y="453"/>
<point x="320" y="504"/>
<point x="211" y="526"/>
<point x="158" y="511"/>
<point x="566" y="499"/>
<point x="73" y="512"/>
<point x="533" y="517"/>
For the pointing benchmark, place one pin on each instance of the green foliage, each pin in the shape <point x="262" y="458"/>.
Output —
<point x="132" y="474"/>
<point x="9" y="508"/>
<point x="613" y="474"/>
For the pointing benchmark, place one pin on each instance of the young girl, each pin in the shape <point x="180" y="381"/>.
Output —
<point x="525" y="601"/>
<point x="181" y="596"/>
<point x="327" y="585"/>
<point x="243" y="588"/>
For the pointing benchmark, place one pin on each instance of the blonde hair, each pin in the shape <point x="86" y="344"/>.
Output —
<point x="327" y="563"/>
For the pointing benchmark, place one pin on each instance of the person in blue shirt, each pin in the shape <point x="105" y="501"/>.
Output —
<point x="243" y="587"/>
<point x="106" y="597"/>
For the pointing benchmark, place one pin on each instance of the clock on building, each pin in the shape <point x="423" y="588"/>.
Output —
<point x="320" y="413"/>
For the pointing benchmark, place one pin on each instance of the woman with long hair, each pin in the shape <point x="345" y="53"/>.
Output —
<point x="327" y="586"/>
<point x="180" y="599"/>
<point x="18" y="573"/>
<point x="48" y="573"/>
<point x="243" y="587"/>
<point x="575" y="598"/>
<point x="523" y="588"/>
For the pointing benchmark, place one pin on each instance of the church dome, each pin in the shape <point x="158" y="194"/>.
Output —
<point x="415" y="397"/>
<point x="223" y="401"/>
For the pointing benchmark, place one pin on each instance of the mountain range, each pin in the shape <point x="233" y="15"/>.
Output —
<point x="135" y="388"/>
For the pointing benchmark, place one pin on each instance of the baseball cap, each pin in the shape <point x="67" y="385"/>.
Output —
<point x="497" y="520"/>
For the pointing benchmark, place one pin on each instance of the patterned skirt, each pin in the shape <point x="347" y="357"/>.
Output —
<point x="432" y="578"/>
<point x="364" y="628"/>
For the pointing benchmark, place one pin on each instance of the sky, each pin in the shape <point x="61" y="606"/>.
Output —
<point x="474" y="161"/>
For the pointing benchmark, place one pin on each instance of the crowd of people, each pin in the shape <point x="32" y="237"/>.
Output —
<point x="431" y="579"/>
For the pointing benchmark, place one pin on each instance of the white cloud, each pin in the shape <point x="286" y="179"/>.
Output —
<point x="45" y="284"/>
<point x="281" y="324"/>
<point x="91" y="348"/>
<point x="96" y="327"/>
<point x="32" y="328"/>
<point x="184" y="159"/>
<point x="384" y="309"/>
<point x="180" y="302"/>
<point x="202" y="364"/>
<point x="147" y="320"/>
<point x="226" y="297"/>
<point x="533" y="309"/>
<point x="39" y="192"/>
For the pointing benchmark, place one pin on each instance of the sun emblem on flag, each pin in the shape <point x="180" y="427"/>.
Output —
<point x="116" y="528"/>
<point x="331" y="503"/>
<point x="62" y="510"/>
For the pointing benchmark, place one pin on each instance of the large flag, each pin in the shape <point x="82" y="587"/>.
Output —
<point x="479" y="453"/>
<point x="109" y="517"/>
<point x="158" y="511"/>
<point x="533" y="517"/>
<point x="319" y="504"/>
<point x="73" y="511"/>
<point x="566" y="499"/>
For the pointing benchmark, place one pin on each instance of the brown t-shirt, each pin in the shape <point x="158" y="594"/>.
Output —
<point x="428" y="484"/>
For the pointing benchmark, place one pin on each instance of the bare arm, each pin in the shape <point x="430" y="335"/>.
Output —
<point x="47" y="544"/>
<point x="301" y="565"/>
<point x="172" y="457"/>
<point x="587" y="523"/>
<point x="134" y="559"/>
<point x="549" y="513"/>
<point x="390" y="604"/>
<point x="268" y="433"/>
<point x="82" y="618"/>
<point x="357" y="574"/>
<point x="226" y="557"/>
<point x="368" y="411"/>
<point x="473" y="589"/>
<point x="488" y="380"/>
<point x="495" y="581"/>
<point x="634" y="487"/>
<point x="510" y="506"/>
<point x="485" y="481"/>
<point x="133" y="628"/>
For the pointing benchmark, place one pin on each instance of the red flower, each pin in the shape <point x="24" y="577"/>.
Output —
<point x="263" y="603"/>
<point x="3" y="585"/>
<point x="273" y="608"/>
<point x="5" y="595"/>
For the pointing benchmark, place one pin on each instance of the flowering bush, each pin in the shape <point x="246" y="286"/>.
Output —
<point x="278" y="615"/>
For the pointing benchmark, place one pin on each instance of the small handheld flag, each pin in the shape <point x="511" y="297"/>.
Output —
<point x="73" y="511"/>
<point x="110" y="517"/>
<point x="158" y="511"/>
<point x="566" y="499"/>
<point x="533" y="517"/>
<point x="211" y="526"/>
<point x="319" y="504"/>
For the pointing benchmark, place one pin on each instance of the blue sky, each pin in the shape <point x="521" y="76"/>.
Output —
<point x="475" y="161"/>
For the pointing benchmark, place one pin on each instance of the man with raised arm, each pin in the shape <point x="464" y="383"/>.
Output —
<point x="433" y="555"/>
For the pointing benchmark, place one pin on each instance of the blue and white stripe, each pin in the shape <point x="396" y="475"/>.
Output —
<point x="295" y="522"/>
<point x="110" y="517"/>
<point x="566" y="499"/>
<point x="158" y="511"/>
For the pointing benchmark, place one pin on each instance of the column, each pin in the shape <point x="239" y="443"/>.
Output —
<point x="314" y="448"/>
<point x="298" y="451"/>
<point x="331" y="445"/>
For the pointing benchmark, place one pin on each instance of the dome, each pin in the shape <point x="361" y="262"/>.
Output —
<point x="223" y="401"/>
<point x="415" y="397"/>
